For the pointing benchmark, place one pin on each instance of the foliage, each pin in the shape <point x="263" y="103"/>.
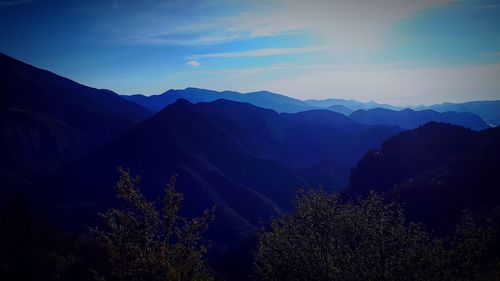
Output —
<point x="144" y="242"/>
<point x="326" y="238"/>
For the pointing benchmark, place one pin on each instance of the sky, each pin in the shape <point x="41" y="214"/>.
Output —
<point x="402" y="52"/>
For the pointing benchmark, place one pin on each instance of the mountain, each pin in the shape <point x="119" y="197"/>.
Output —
<point x="351" y="104"/>
<point x="487" y="110"/>
<point x="436" y="171"/>
<point x="410" y="119"/>
<point x="265" y="99"/>
<point x="244" y="159"/>
<point x="340" y="109"/>
<point x="325" y="117"/>
<point x="48" y="120"/>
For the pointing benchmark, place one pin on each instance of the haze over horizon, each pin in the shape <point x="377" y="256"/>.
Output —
<point x="388" y="51"/>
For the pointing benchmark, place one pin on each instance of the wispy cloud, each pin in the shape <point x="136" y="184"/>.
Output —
<point x="338" y="23"/>
<point x="170" y="39"/>
<point x="259" y="53"/>
<point x="247" y="71"/>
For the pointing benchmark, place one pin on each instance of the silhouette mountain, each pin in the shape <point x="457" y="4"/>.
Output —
<point x="47" y="120"/>
<point x="410" y="119"/>
<point x="436" y="170"/>
<point x="245" y="159"/>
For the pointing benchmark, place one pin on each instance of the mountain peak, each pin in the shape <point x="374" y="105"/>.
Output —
<point x="263" y="92"/>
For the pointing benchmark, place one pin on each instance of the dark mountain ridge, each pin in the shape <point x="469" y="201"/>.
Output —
<point x="48" y="119"/>
<point x="436" y="170"/>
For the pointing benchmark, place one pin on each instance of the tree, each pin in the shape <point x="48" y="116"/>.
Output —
<point x="470" y="256"/>
<point x="326" y="238"/>
<point x="144" y="242"/>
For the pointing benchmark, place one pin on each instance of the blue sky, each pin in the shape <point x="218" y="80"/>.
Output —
<point x="395" y="51"/>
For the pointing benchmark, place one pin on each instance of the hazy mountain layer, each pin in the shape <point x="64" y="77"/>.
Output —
<point x="487" y="110"/>
<point x="410" y="119"/>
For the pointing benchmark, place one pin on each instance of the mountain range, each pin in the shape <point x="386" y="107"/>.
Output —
<point x="246" y="160"/>
<point x="264" y="99"/>
<point x="61" y="143"/>
<point x="476" y="115"/>
<point x="410" y="119"/>
<point x="486" y="110"/>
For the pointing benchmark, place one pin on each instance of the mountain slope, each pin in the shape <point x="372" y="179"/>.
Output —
<point x="410" y="119"/>
<point x="245" y="159"/>
<point x="48" y="119"/>
<point x="436" y="170"/>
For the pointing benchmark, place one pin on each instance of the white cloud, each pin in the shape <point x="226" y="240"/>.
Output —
<point x="193" y="63"/>
<point x="259" y="53"/>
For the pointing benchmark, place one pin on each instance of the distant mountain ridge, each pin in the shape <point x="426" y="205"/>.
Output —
<point x="264" y="99"/>
<point x="489" y="111"/>
<point x="410" y="119"/>
<point x="351" y="104"/>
